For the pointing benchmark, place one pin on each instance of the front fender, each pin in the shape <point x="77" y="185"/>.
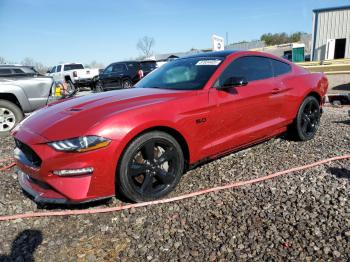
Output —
<point x="125" y="132"/>
<point x="154" y="125"/>
<point x="19" y="94"/>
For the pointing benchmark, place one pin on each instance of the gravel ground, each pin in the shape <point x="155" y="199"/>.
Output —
<point x="300" y="216"/>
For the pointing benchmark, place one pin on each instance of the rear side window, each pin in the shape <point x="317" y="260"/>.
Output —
<point x="148" y="65"/>
<point x="73" y="67"/>
<point x="252" y="68"/>
<point x="59" y="68"/>
<point x="118" y="68"/>
<point x="5" y="71"/>
<point x="18" y="71"/>
<point x="131" y="65"/>
<point x="280" y="68"/>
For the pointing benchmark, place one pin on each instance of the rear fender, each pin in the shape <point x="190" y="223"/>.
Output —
<point x="315" y="84"/>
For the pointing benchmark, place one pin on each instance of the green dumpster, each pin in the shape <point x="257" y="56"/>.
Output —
<point x="298" y="54"/>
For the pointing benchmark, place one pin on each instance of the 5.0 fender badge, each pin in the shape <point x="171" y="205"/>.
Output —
<point x="201" y="120"/>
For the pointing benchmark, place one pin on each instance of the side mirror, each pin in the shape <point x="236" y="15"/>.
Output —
<point x="48" y="72"/>
<point x="234" y="81"/>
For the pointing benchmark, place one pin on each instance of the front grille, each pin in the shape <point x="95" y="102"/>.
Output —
<point x="29" y="153"/>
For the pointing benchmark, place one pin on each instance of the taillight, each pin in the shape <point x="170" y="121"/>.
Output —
<point x="75" y="73"/>
<point x="140" y="74"/>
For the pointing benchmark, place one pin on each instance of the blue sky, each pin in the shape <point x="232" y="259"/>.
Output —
<point x="106" y="30"/>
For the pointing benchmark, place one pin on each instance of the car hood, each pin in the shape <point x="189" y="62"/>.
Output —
<point x="74" y="117"/>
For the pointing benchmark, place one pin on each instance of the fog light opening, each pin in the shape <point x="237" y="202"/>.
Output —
<point x="74" y="172"/>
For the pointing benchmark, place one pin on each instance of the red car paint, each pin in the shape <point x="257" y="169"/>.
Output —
<point x="211" y="123"/>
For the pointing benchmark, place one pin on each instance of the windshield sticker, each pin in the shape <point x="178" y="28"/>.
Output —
<point x="208" y="62"/>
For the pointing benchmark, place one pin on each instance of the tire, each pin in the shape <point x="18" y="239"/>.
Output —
<point x="93" y="83"/>
<point x="150" y="167"/>
<point x="127" y="84"/>
<point x="10" y="116"/>
<point x="71" y="88"/>
<point x="99" y="86"/>
<point x="307" y="121"/>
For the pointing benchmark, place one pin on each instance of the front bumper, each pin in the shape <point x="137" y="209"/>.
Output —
<point x="36" y="176"/>
<point x="80" y="82"/>
<point x="43" y="194"/>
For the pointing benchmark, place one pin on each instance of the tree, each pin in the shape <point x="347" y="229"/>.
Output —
<point x="280" y="38"/>
<point x="2" y="60"/>
<point x="295" y="37"/>
<point x="145" y="45"/>
<point x="95" y="64"/>
<point x="42" y="69"/>
<point x="28" y="61"/>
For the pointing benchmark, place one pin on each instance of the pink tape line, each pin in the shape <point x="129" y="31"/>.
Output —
<point x="173" y="199"/>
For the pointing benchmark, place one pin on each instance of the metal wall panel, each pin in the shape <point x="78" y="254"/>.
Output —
<point x="328" y="25"/>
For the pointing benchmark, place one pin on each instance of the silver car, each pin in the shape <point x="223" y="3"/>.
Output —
<point x="22" y="90"/>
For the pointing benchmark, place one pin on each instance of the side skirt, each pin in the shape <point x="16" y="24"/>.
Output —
<point x="236" y="149"/>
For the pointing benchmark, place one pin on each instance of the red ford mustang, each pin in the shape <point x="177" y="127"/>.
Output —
<point x="138" y="142"/>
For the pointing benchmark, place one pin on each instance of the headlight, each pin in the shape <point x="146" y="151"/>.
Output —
<point x="80" y="144"/>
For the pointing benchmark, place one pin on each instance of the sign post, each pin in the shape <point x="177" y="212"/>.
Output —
<point x="218" y="43"/>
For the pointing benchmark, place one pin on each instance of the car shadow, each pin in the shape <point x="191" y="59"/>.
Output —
<point x="346" y="122"/>
<point x="340" y="172"/>
<point x="24" y="246"/>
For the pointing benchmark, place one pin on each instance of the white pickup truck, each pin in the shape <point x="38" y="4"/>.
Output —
<point x="74" y="73"/>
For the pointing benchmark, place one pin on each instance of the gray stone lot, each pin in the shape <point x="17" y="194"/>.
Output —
<point x="299" y="216"/>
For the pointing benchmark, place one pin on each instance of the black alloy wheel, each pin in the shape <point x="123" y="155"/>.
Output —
<point x="151" y="167"/>
<point x="127" y="84"/>
<point x="308" y="119"/>
<point x="99" y="86"/>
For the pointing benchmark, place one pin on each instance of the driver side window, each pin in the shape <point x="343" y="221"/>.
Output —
<point x="252" y="68"/>
<point x="108" y="70"/>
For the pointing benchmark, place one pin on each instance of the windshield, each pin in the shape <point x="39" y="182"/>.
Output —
<point x="182" y="74"/>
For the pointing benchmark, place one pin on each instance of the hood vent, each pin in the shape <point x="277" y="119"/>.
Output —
<point x="75" y="109"/>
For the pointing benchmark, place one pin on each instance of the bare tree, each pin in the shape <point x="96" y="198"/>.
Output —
<point x="145" y="45"/>
<point x="95" y="64"/>
<point x="28" y="61"/>
<point x="2" y="60"/>
<point x="42" y="69"/>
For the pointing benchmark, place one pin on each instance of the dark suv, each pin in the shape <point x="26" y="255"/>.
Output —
<point x="123" y="74"/>
<point x="148" y="66"/>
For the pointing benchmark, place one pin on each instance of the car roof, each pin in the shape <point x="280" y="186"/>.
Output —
<point x="125" y="62"/>
<point x="15" y="66"/>
<point x="73" y="63"/>
<point x="223" y="54"/>
<point x="226" y="53"/>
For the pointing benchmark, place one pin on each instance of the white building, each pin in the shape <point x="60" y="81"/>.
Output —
<point x="331" y="33"/>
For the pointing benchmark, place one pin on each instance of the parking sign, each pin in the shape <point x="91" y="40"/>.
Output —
<point x="217" y="43"/>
